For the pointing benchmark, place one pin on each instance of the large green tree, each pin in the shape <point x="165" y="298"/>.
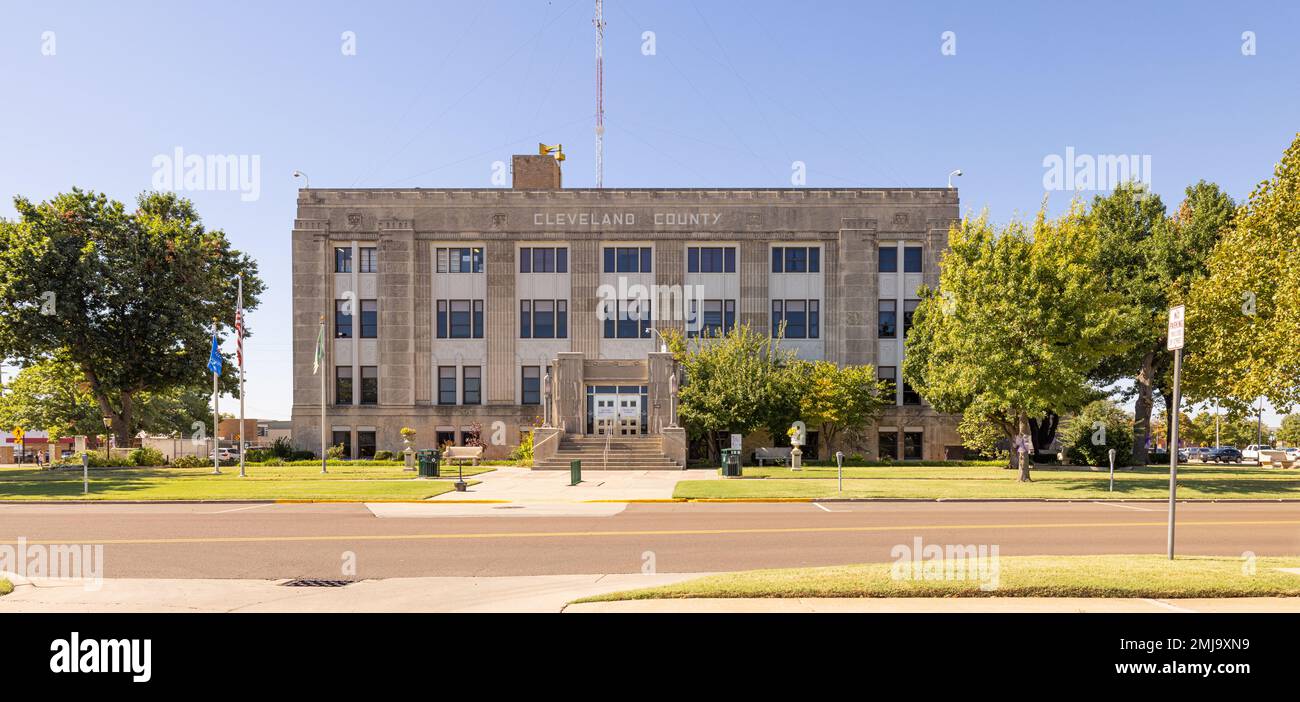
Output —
<point x="127" y="297"/>
<point x="1243" y="320"/>
<point x="1150" y="261"/>
<point x="1289" y="432"/>
<point x="1018" y="321"/>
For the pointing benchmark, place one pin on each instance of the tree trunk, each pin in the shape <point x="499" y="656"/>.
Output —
<point x="1142" y="409"/>
<point x="1044" y="432"/>
<point x="1026" y="458"/>
<point x="1169" y="422"/>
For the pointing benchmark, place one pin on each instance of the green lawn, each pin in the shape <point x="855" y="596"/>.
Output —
<point x="343" y="482"/>
<point x="1194" y="482"/>
<point x="1016" y="576"/>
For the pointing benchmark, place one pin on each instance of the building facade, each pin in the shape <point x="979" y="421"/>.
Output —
<point x="483" y="313"/>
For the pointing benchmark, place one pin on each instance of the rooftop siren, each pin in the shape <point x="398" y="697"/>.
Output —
<point x="558" y="150"/>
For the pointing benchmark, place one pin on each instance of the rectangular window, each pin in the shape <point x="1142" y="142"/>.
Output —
<point x="909" y="308"/>
<point x="802" y="318"/>
<point x="796" y="259"/>
<point x="343" y="385"/>
<point x="912" y="259"/>
<point x="532" y="385"/>
<point x="796" y="319"/>
<point x="369" y="319"/>
<point x="343" y="259"/>
<point x="365" y="445"/>
<point x="889" y="375"/>
<point x="543" y="260"/>
<point x="344" y="439"/>
<point x="525" y="319"/>
<point x="342" y="319"/>
<point x="472" y="385"/>
<point x="446" y="385"/>
<point x="543" y="319"/>
<point x="710" y="259"/>
<point x="627" y="319"/>
<point x="888" y="262"/>
<point x="910" y="397"/>
<point x="460" y="260"/>
<point x="912" y="445"/>
<point x="561" y="319"/>
<point x="887" y="326"/>
<point x="627" y="259"/>
<point x="460" y="319"/>
<point x="369" y="385"/>
<point x="369" y="260"/>
<point x="562" y="260"/>
<point x="716" y="318"/>
<point x="525" y="260"/>
<point x="888" y="445"/>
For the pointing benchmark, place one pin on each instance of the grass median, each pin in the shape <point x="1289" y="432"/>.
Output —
<point x="1016" y="576"/>
<point x="988" y="482"/>
<point x="343" y="482"/>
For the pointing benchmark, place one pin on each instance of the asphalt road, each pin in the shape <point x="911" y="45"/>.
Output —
<point x="282" y="541"/>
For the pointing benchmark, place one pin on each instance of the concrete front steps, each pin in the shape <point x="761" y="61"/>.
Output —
<point x="625" y="453"/>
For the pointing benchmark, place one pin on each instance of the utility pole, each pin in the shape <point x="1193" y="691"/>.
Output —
<point x="599" y="21"/>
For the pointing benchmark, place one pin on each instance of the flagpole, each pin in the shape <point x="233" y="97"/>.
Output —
<point x="323" y="454"/>
<point x="243" y="444"/>
<point x="216" y="435"/>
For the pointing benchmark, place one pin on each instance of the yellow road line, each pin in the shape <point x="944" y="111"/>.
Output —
<point x="642" y="532"/>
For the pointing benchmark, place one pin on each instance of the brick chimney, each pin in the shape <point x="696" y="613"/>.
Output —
<point x="533" y="172"/>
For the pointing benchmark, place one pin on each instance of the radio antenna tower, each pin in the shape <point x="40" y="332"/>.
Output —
<point x="599" y="21"/>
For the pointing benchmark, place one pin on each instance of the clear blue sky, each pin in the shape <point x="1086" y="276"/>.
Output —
<point x="736" y="91"/>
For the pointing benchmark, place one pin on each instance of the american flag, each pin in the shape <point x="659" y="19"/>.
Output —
<point x="239" y="323"/>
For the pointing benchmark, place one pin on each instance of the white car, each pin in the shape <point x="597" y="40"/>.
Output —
<point x="224" y="455"/>
<point x="1293" y="453"/>
<point x="1251" y="453"/>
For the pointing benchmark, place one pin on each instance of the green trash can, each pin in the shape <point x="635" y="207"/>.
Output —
<point x="575" y="472"/>
<point x="428" y="460"/>
<point x="727" y="453"/>
<point x="731" y="468"/>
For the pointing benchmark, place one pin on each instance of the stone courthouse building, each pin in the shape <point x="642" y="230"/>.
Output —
<point x="469" y="313"/>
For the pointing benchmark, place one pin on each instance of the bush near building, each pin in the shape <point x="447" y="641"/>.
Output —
<point x="1100" y="426"/>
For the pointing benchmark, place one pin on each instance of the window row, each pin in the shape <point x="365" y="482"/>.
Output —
<point x="369" y="385"/>
<point x="343" y="319"/>
<point x="887" y="324"/>
<point x="888" y="262"/>
<point x="711" y="259"/>
<point x="796" y="259"/>
<point x="626" y="319"/>
<point x="710" y="318"/>
<point x="460" y="319"/>
<point x="889" y="374"/>
<point x="627" y="259"/>
<point x="543" y="319"/>
<point x="798" y="319"/>
<point x="365" y="443"/>
<point x="468" y="259"/>
<point x="343" y="259"/>
<point x="913" y="445"/>
<point x="537" y="259"/>
<point x="471" y="385"/>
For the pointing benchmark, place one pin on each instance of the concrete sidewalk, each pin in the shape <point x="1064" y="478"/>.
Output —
<point x="533" y="593"/>
<point x="514" y="484"/>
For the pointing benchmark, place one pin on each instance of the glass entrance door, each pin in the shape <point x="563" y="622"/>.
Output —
<point x="616" y="409"/>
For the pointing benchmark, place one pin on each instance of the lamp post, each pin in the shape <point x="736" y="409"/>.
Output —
<point x="108" y="432"/>
<point x="950" y="176"/>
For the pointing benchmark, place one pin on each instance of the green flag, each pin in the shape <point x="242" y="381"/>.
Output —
<point x="320" y="350"/>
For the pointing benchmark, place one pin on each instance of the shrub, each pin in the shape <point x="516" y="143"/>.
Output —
<point x="259" y="455"/>
<point x="334" y="452"/>
<point x="274" y="462"/>
<point x="523" y="453"/>
<point x="1099" y="427"/>
<point x="283" y="448"/>
<point x="146" y="456"/>
<point x="385" y="456"/>
<point x="189" y="462"/>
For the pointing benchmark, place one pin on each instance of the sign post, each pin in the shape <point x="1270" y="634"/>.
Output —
<point x="1112" y="469"/>
<point x="1175" y="335"/>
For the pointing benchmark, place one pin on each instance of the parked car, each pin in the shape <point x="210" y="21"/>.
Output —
<point x="225" y="455"/>
<point x="1293" y="453"/>
<point x="1199" y="453"/>
<point x="1224" y="454"/>
<point x="1252" y="452"/>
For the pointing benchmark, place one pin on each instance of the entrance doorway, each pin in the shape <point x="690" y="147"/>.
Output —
<point x="619" y="410"/>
